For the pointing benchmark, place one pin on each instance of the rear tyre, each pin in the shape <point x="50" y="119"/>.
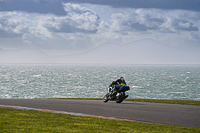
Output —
<point x="105" y="98"/>
<point x="120" y="97"/>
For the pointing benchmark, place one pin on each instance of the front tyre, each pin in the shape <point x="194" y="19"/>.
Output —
<point x="120" y="97"/>
<point x="105" y="98"/>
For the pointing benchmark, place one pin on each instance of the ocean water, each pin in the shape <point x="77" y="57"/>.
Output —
<point x="28" y="81"/>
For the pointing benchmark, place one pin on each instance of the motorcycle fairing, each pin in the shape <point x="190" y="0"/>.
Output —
<point x="124" y="88"/>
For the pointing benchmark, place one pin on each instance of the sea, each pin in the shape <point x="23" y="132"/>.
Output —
<point x="30" y="81"/>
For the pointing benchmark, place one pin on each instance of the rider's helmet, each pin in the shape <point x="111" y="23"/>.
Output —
<point x="121" y="78"/>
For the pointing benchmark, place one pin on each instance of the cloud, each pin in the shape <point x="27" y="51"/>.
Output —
<point x="56" y="24"/>
<point x="49" y="31"/>
<point x="55" y="6"/>
<point x="178" y="28"/>
<point x="184" y="25"/>
<point x="77" y="20"/>
<point x="15" y="23"/>
<point x="140" y="20"/>
<point x="192" y="5"/>
<point x="4" y="34"/>
<point x="33" y="6"/>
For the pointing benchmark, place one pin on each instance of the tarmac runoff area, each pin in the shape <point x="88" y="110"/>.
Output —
<point x="161" y="113"/>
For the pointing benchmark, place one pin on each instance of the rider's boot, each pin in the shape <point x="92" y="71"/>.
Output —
<point x="114" y="93"/>
<point x="126" y="96"/>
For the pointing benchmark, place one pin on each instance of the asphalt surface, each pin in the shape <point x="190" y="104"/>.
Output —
<point x="171" y="114"/>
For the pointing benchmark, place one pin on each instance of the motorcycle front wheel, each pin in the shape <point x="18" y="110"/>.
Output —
<point x="105" y="98"/>
<point x="120" y="97"/>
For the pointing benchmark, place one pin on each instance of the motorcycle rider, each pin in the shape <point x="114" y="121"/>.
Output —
<point x="117" y="84"/>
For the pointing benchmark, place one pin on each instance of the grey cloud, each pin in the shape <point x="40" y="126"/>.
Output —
<point x="155" y="19"/>
<point x="4" y="34"/>
<point x="135" y="22"/>
<point x="134" y="26"/>
<point x="193" y="5"/>
<point x="78" y="19"/>
<point x="56" y="7"/>
<point x="37" y="6"/>
<point x="184" y="25"/>
<point x="149" y="24"/>
<point x="15" y="24"/>
<point x="67" y="28"/>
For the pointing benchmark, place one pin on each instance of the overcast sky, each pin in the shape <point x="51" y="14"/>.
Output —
<point x="69" y="26"/>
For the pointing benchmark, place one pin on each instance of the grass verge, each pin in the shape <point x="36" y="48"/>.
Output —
<point x="15" y="120"/>
<point x="187" y="102"/>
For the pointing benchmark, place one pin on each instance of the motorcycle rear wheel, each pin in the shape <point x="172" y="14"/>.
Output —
<point x="121" y="97"/>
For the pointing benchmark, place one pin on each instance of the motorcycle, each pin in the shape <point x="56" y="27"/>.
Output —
<point x="117" y="96"/>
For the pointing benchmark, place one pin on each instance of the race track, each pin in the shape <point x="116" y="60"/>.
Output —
<point x="171" y="114"/>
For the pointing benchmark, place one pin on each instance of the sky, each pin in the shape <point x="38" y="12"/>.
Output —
<point x="61" y="27"/>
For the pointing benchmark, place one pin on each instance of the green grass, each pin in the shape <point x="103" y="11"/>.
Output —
<point x="15" y="120"/>
<point x="187" y="102"/>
